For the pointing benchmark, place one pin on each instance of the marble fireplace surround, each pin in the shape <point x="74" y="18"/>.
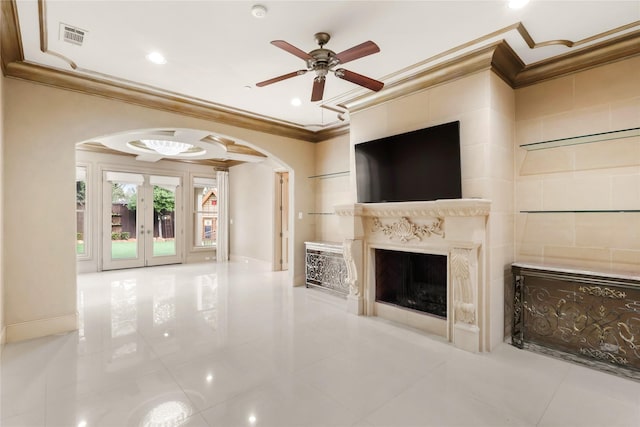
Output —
<point x="456" y="228"/>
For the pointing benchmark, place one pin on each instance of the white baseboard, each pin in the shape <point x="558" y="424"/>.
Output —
<point x="41" y="328"/>
<point x="237" y="258"/>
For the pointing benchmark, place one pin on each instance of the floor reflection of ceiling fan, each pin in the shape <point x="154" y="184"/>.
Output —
<point x="322" y="60"/>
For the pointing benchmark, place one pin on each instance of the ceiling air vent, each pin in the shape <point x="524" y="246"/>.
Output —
<point x="71" y="34"/>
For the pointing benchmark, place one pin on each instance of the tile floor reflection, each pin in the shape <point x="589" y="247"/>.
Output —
<point x="233" y="345"/>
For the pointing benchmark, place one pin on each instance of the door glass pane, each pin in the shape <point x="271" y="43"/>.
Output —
<point x="164" y="215"/>
<point x="124" y="203"/>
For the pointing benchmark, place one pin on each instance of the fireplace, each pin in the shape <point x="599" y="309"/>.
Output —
<point x="392" y="240"/>
<point x="412" y="280"/>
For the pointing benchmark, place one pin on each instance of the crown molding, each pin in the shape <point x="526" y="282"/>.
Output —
<point x="151" y="98"/>
<point x="506" y="63"/>
<point x="498" y="57"/>
<point x="10" y="41"/>
<point x="482" y="59"/>
<point x="14" y="65"/>
<point x="501" y="59"/>
<point x="622" y="47"/>
<point x="325" y="134"/>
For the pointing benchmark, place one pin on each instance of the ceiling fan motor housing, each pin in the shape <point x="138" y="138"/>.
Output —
<point x="323" y="60"/>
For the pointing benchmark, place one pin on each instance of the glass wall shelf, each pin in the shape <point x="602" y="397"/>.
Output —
<point x="587" y="211"/>
<point x="584" y="139"/>
<point x="330" y="175"/>
<point x="321" y="213"/>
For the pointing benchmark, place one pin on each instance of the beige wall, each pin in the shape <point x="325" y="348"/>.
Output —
<point x="251" y="208"/>
<point x="2" y="299"/>
<point x="597" y="176"/>
<point x="484" y="105"/>
<point x="330" y="186"/>
<point x="42" y="126"/>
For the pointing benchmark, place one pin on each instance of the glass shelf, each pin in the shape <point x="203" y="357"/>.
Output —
<point x="584" y="139"/>
<point x="588" y="211"/>
<point x="321" y="213"/>
<point x="330" y="175"/>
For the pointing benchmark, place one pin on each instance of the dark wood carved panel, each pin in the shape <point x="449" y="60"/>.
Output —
<point x="590" y="317"/>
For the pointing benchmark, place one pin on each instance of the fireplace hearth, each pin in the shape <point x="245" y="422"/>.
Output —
<point x="411" y="280"/>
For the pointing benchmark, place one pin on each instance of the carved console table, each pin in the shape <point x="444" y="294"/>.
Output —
<point x="586" y="317"/>
<point x="325" y="267"/>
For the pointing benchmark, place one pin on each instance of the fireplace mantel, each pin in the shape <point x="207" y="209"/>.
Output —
<point x="435" y="208"/>
<point x="455" y="228"/>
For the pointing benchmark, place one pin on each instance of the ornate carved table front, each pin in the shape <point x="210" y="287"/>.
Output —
<point x="587" y="317"/>
<point x="325" y="267"/>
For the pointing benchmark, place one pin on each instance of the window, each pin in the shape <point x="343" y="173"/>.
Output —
<point x="205" y="221"/>
<point x="81" y="212"/>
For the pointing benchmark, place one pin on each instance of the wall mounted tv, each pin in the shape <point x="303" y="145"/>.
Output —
<point x="414" y="166"/>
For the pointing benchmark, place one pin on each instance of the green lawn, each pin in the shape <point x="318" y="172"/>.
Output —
<point x="127" y="249"/>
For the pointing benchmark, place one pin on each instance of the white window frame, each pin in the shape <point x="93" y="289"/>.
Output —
<point x="88" y="211"/>
<point x="195" y="219"/>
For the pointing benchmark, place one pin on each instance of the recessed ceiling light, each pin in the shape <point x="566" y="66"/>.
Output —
<point x="259" y="11"/>
<point x="517" y="4"/>
<point x="296" y="102"/>
<point x="157" y="58"/>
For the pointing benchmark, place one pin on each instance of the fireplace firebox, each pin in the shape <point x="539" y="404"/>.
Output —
<point x="411" y="280"/>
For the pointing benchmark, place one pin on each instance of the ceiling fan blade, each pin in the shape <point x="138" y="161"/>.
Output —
<point x="291" y="49"/>
<point x="363" y="49"/>
<point x="318" y="89"/>
<point x="280" y="78"/>
<point x="359" y="79"/>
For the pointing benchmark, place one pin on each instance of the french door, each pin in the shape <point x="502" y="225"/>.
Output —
<point x="140" y="217"/>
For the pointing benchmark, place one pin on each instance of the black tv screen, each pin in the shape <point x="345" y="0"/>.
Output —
<point x="414" y="166"/>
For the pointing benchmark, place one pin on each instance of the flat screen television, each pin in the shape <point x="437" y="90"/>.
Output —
<point x="414" y="166"/>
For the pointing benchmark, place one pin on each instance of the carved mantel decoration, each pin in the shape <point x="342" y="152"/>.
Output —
<point x="464" y="304"/>
<point x="406" y="230"/>
<point x="352" y="270"/>
<point x="432" y="209"/>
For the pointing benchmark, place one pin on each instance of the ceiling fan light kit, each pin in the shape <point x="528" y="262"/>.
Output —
<point x="322" y="61"/>
<point x="166" y="147"/>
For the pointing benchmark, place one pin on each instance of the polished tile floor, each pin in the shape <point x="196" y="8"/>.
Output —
<point x="232" y="345"/>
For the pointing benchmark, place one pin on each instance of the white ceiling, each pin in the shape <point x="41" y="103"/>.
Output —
<point x="216" y="49"/>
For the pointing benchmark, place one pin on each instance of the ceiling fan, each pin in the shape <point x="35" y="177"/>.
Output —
<point x="322" y="61"/>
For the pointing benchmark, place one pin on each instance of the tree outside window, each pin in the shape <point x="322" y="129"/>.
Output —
<point x="81" y="211"/>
